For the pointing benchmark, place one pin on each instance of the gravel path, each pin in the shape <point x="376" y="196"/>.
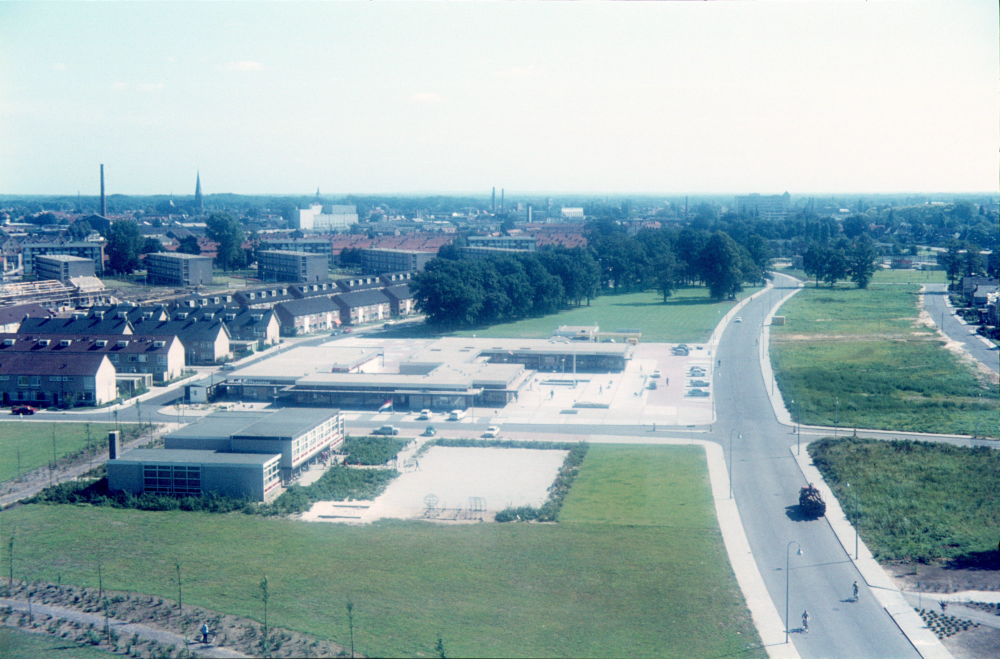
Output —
<point x="126" y="629"/>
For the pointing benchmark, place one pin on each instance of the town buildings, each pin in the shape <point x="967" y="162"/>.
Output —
<point x="93" y="250"/>
<point x="327" y="218"/>
<point x="766" y="207"/>
<point x="378" y="261"/>
<point x="63" y="267"/>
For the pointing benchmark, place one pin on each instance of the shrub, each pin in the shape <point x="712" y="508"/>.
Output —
<point x="549" y="512"/>
<point x="372" y="450"/>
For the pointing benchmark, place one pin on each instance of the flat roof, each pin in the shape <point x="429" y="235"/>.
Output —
<point x="288" y="422"/>
<point x="194" y="456"/>
<point x="218" y="425"/>
<point x="63" y="257"/>
<point x="293" y="364"/>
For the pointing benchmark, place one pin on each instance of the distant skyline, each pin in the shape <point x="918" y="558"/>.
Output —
<point x="537" y="98"/>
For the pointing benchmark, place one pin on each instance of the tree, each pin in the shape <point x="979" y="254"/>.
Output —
<point x="951" y="260"/>
<point x="665" y="274"/>
<point x="350" y="622"/>
<point x="189" y="245"/>
<point x="80" y="229"/>
<point x="863" y="261"/>
<point x="837" y="266"/>
<point x="226" y="230"/>
<point x="152" y="246"/>
<point x="719" y="265"/>
<point x="974" y="264"/>
<point x="264" y="596"/>
<point x="814" y="262"/>
<point x="124" y="245"/>
<point x="855" y="225"/>
<point x="447" y="293"/>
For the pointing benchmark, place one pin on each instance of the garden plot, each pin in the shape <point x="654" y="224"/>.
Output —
<point x="455" y="480"/>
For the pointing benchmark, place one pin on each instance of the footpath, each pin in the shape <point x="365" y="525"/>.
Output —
<point x="124" y="629"/>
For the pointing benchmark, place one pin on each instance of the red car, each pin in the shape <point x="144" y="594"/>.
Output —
<point x="24" y="409"/>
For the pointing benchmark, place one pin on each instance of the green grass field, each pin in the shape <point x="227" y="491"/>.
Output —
<point x="15" y="644"/>
<point x="689" y="315"/>
<point x="33" y="440"/>
<point x="865" y="348"/>
<point x="638" y="568"/>
<point x="882" y="277"/>
<point x="918" y="501"/>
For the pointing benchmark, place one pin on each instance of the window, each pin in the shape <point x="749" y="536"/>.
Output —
<point x="161" y="359"/>
<point x="40" y="395"/>
<point x="36" y="381"/>
<point x="113" y="358"/>
<point x="142" y="358"/>
<point x="22" y="380"/>
<point x="88" y="383"/>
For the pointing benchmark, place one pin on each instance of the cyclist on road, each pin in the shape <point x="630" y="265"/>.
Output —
<point x="855" y="591"/>
<point x="805" y="621"/>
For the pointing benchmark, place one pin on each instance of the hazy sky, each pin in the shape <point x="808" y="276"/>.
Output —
<point x="458" y="97"/>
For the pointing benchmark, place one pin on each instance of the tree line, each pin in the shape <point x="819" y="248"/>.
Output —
<point x="841" y="260"/>
<point x="125" y="244"/>
<point x="456" y="293"/>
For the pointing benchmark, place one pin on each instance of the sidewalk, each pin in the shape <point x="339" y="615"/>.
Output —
<point x="881" y="584"/>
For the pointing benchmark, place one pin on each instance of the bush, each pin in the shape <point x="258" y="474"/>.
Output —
<point x="372" y="450"/>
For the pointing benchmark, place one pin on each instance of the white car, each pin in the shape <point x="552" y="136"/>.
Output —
<point x="424" y="415"/>
<point x="737" y="320"/>
<point x="656" y="374"/>
<point x="456" y="415"/>
<point x="492" y="432"/>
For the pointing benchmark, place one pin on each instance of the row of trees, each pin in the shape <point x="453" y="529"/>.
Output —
<point x="663" y="259"/>
<point x="832" y="263"/>
<point x="964" y="259"/>
<point x="470" y="293"/>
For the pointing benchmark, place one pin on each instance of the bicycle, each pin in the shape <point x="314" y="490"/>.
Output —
<point x="805" y="622"/>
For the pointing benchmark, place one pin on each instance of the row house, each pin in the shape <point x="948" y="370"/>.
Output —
<point x="313" y="314"/>
<point x="363" y="306"/>
<point x="160" y="356"/>
<point x="59" y="379"/>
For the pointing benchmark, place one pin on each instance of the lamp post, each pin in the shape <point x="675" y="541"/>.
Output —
<point x="787" y="561"/>
<point x="836" y="419"/>
<point x="856" y="521"/>
<point x="731" y="460"/>
<point x="978" y="414"/>
<point x="798" y="429"/>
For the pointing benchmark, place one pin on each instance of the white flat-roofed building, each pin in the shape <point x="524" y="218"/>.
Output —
<point x="327" y="218"/>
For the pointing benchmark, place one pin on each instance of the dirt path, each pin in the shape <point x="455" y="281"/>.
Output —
<point x="44" y="615"/>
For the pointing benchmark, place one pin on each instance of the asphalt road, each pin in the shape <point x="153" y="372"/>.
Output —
<point x="934" y="301"/>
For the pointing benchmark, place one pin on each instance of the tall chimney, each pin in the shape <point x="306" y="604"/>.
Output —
<point x="494" y="200"/>
<point x="501" y="200"/>
<point x="104" y="204"/>
<point x="114" y="444"/>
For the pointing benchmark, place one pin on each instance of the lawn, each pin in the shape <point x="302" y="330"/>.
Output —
<point x="15" y="644"/>
<point x="917" y="500"/>
<point x="689" y="315"/>
<point x="882" y="277"/>
<point x="638" y="568"/>
<point x="865" y="349"/>
<point x="33" y="441"/>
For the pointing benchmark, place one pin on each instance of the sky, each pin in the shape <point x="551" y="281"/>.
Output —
<point x="589" y="97"/>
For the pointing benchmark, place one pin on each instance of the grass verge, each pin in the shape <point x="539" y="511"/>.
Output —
<point x="595" y="584"/>
<point x="917" y="501"/>
<point x="30" y="443"/>
<point x="16" y="644"/>
<point x="861" y="359"/>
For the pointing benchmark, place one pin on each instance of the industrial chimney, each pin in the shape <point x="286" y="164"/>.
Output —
<point x="501" y="200"/>
<point x="114" y="445"/>
<point x="494" y="201"/>
<point x="104" y="204"/>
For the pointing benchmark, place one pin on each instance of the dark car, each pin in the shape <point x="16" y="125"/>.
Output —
<point x="23" y="409"/>
<point x="698" y="383"/>
<point x="698" y="393"/>
<point x="430" y="431"/>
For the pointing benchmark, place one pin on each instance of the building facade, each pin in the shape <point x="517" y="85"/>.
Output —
<point x="63" y="267"/>
<point x="518" y="243"/>
<point x="327" y="218"/>
<point x="311" y="245"/>
<point x="766" y="207"/>
<point x="176" y="269"/>
<point x="61" y="380"/>
<point x="160" y="356"/>
<point x="379" y="261"/>
<point x="85" y="249"/>
<point x="298" y="267"/>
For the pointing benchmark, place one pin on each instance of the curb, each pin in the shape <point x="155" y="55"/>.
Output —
<point x="924" y="641"/>
<point x="781" y="412"/>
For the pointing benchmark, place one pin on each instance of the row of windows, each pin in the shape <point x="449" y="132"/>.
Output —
<point x="36" y="380"/>
<point x="167" y="479"/>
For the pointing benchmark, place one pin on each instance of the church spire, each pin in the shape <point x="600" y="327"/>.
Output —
<point x="197" y="193"/>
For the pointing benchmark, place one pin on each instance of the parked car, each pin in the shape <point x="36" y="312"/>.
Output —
<point x="424" y="415"/>
<point x="699" y="383"/>
<point x="492" y="432"/>
<point x="23" y="409"/>
<point x="456" y="415"/>
<point x="698" y="393"/>
<point x="229" y="366"/>
<point x="430" y="431"/>
<point x="737" y="320"/>
<point x="696" y="373"/>
<point x="681" y="352"/>
<point x="656" y="374"/>
<point x="652" y="384"/>
<point x="386" y="430"/>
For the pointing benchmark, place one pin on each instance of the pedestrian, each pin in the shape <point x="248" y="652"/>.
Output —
<point x="204" y="633"/>
<point x="805" y="622"/>
<point x="654" y="427"/>
<point x="855" y="591"/>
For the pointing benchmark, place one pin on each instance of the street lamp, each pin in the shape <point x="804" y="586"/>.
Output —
<point x="799" y="552"/>
<point x="856" y="511"/>
<point x="836" y="419"/>
<point x="731" y="460"/>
